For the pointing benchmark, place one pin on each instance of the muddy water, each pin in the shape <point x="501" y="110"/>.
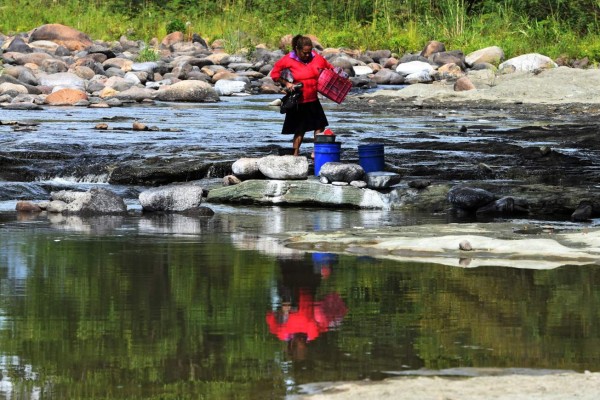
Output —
<point x="171" y="306"/>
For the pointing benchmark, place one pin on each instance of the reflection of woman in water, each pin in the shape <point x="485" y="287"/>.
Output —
<point x="300" y="318"/>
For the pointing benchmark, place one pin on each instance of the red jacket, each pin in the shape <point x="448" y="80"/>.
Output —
<point x="308" y="73"/>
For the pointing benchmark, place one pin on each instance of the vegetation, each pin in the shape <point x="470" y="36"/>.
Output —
<point x="556" y="28"/>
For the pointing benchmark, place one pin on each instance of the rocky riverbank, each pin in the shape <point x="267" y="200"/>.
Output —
<point x="551" y="164"/>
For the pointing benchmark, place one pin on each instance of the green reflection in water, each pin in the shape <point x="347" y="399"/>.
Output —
<point x="139" y="316"/>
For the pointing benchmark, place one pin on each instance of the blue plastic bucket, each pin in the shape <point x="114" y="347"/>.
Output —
<point x="324" y="153"/>
<point x="371" y="157"/>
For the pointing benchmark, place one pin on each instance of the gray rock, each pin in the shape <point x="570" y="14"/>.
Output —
<point x="341" y="172"/>
<point x="309" y="192"/>
<point x="283" y="167"/>
<point x="175" y="198"/>
<point x="468" y="198"/>
<point x="94" y="201"/>
<point x="188" y="91"/>
<point x="382" y="180"/>
<point x="245" y="168"/>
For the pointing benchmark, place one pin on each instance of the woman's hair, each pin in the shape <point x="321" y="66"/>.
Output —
<point x="300" y="41"/>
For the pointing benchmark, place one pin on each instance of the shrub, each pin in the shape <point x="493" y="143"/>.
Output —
<point x="175" y="25"/>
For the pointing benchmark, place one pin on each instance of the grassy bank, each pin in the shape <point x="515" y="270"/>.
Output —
<point x="401" y="26"/>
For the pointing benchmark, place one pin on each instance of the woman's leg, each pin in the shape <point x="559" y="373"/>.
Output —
<point x="298" y="137"/>
<point x="317" y="131"/>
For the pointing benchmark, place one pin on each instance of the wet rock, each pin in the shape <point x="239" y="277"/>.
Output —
<point x="382" y="180"/>
<point x="94" y="201"/>
<point x="465" y="245"/>
<point x="468" y="198"/>
<point x="583" y="212"/>
<point x="27" y="206"/>
<point x="173" y="198"/>
<point x="505" y="205"/>
<point x="419" y="183"/>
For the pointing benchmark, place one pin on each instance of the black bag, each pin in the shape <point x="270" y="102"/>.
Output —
<point x="291" y="99"/>
<point x="289" y="102"/>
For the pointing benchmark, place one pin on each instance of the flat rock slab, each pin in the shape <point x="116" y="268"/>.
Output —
<point x="296" y="192"/>
<point x="502" y="244"/>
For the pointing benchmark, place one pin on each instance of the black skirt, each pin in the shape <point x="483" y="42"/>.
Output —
<point x="307" y="117"/>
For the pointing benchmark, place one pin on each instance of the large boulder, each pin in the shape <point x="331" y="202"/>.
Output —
<point x="492" y="55"/>
<point x="188" y="91"/>
<point x="284" y="167"/>
<point x="175" y="198"/>
<point x="469" y="199"/>
<point x="528" y="63"/>
<point x="66" y="36"/>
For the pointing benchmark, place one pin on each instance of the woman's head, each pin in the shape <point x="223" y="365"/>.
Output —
<point x="302" y="45"/>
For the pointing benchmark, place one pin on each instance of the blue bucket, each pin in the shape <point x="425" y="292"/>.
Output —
<point x="371" y="157"/>
<point x="324" y="153"/>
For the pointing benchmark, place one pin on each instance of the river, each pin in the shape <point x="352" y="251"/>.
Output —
<point x="172" y="306"/>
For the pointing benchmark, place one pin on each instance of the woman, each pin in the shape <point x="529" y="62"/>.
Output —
<point x="304" y="66"/>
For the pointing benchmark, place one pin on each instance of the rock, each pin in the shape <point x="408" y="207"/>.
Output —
<point x="12" y="89"/>
<point x="463" y="84"/>
<point x="341" y="172"/>
<point x="174" y="198"/>
<point x="138" y="126"/>
<point x="529" y="63"/>
<point x="382" y="180"/>
<point x="449" y="57"/>
<point x="226" y="87"/>
<point x="66" y="36"/>
<point x="188" y="91"/>
<point x="465" y="245"/>
<point x="470" y="199"/>
<point x="134" y="93"/>
<point x="18" y="45"/>
<point x="63" y="80"/>
<point x="297" y="192"/>
<point x="505" y="205"/>
<point x="284" y="167"/>
<point x="246" y="168"/>
<point x="27" y="206"/>
<point x="414" y="67"/>
<point x="231" y="180"/>
<point x="359" y="184"/>
<point x="94" y="201"/>
<point x="490" y="55"/>
<point x="419" y="184"/>
<point x="66" y="97"/>
<point x="583" y="212"/>
<point x="432" y="47"/>
<point x="448" y="71"/>
<point x="362" y="70"/>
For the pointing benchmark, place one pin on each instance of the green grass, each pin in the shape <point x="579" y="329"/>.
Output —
<point x="400" y="27"/>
